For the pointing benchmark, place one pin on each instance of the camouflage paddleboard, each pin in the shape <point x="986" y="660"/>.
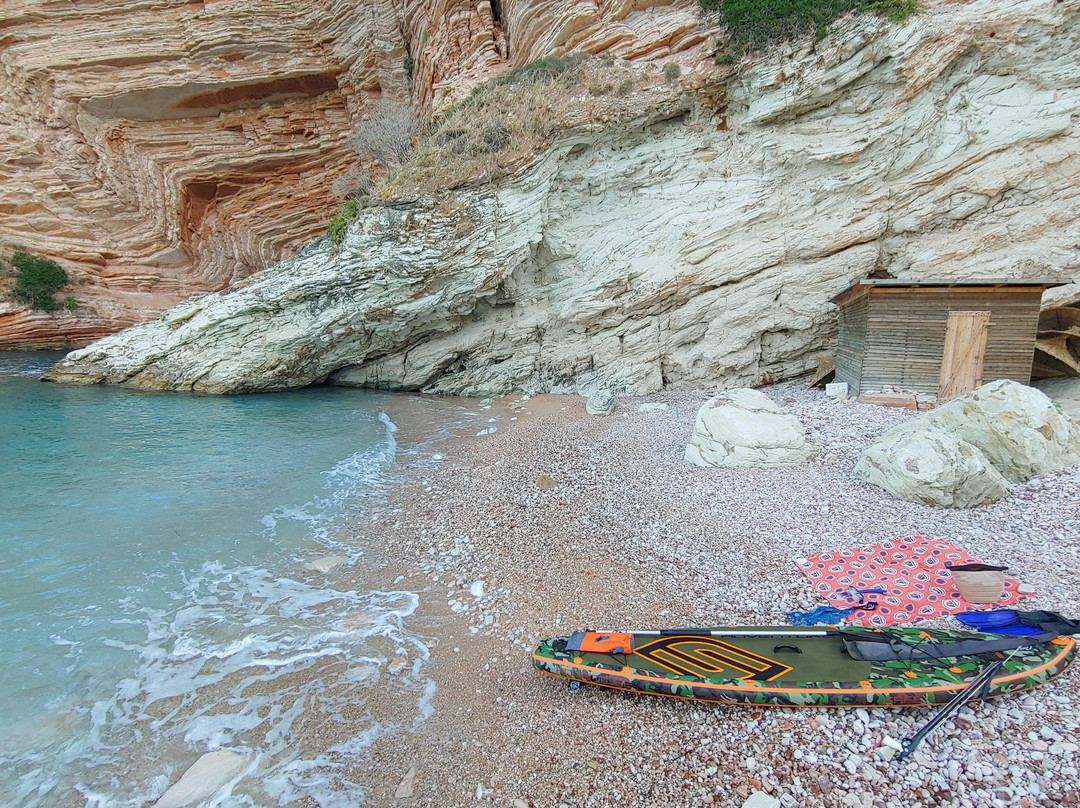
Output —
<point x="784" y="666"/>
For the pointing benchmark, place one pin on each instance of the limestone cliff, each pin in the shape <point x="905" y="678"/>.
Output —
<point x="690" y="246"/>
<point x="163" y="149"/>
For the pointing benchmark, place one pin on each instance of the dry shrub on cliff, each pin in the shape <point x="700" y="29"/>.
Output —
<point x="505" y="123"/>
<point x="385" y="134"/>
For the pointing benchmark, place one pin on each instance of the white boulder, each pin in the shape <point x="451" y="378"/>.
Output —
<point x="1017" y="427"/>
<point x="601" y="402"/>
<point x="965" y="453"/>
<point x="934" y="467"/>
<point x="743" y="427"/>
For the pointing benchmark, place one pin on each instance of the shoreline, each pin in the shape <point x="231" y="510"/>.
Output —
<point x="629" y="536"/>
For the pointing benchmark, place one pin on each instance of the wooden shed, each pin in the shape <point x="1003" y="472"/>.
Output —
<point x="937" y="338"/>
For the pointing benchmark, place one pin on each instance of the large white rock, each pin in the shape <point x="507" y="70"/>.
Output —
<point x="743" y="427"/>
<point x="934" y="467"/>
<point x="966" y="452"/>
<point x="1017" y="427"/>
<point x="205" y="777"/>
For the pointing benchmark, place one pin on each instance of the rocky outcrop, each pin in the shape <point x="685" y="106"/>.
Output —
<point x="965" y="453"/>
<point x="743" y="427"/>
<point x="1017" y="427"/>
<point x="160" y="150"/>
<point x="600" y="402"/>
<point x="932" y="467"/>
<point x="699" y="244"/>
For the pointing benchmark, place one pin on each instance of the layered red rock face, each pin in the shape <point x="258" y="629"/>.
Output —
<point x="158" y="150"/>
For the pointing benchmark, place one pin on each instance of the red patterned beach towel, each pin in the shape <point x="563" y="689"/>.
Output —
<point x="912" y="571"/>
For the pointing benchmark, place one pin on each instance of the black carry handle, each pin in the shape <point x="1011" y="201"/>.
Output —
<point x="786" y="647"/>
<point x="974" y="567"/>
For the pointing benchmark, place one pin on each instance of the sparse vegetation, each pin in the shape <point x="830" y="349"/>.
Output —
<point x="672" y="71"/>
<point x="339" y="225"/>
<point x="385" y="134"/>
<point x="37" y="280"/>
<point x="71" y="304"/>
<point x="755" y="23"/>
<point x="500" y="126"/>
<point x="548" y="68"/>
<point x="499" y="123"/>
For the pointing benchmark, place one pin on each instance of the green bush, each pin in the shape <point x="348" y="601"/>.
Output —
<point x="71" y="304"/>
<point x="339" y="225"/>
<point x="754" y="23"/>
<point x="36" y="281"/>
<point x="546" y="68"/>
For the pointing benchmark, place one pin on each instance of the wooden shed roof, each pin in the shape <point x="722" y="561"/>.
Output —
<point x="865" y="286"/>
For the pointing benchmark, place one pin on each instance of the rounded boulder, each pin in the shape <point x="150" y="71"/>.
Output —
<point x="743" y="427"/>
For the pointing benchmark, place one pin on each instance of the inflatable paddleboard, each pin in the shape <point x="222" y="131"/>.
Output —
<point x="784" y="666"/>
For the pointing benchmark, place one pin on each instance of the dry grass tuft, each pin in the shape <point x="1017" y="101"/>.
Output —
<point x="506" y="122"/>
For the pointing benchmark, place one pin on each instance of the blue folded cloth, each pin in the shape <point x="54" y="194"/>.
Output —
<point x="829" y="615"/>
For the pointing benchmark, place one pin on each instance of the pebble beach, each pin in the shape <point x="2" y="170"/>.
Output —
<point x="560" y="521"/>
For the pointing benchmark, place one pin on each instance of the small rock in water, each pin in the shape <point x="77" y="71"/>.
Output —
<point x="208" y="774"/>
<point x="405" y="787"/>
<point x="326" y="563"/>
<point x="398" y="665"/>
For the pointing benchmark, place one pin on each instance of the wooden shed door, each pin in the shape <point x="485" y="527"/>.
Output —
<point x="965" y="349"/>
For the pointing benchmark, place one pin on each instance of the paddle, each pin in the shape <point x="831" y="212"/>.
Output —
<point x="950" y="709"/>
<point x="746" y="632"/>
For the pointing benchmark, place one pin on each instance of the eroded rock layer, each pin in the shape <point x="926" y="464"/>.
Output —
<point x="162" y="149"/>
<point x="695" y="245"/>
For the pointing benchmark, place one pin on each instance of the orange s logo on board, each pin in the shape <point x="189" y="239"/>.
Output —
<point x="709" y="656"/>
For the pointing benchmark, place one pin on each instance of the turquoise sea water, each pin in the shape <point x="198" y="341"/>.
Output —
<point x="153" y="598"/>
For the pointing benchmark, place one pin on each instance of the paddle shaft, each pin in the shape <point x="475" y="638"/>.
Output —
<point x="950" y="709"/>
<point x="707" y="632"/>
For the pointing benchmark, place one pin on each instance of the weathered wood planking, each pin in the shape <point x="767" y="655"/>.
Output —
<point x="894" y="336"/>
<point x="964" y="353"/>
<point x="852" y="343"/>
